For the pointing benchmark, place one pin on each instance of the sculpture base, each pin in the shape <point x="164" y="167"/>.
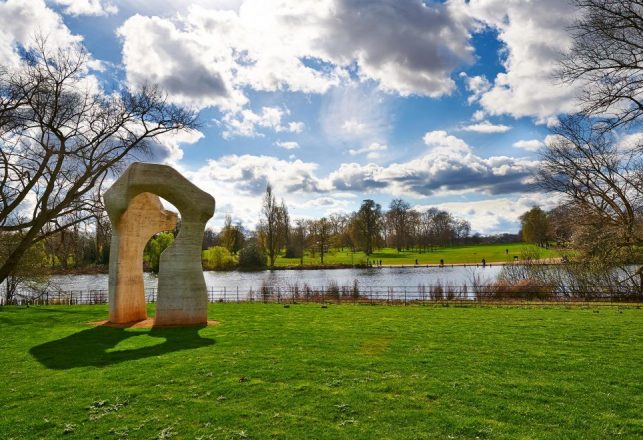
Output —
<point x="146" y="323"/>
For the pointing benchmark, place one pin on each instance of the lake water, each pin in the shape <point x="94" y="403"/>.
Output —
<point x="375" y="280"/>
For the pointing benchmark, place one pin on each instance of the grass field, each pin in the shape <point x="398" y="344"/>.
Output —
<point x="492" y="253"/>
<point x="353" y="372"/>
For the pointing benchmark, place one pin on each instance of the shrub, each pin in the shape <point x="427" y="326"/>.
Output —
<point x="521" y="290"/>
<point x="251" y="257"/>
<point x="217" y="258"/>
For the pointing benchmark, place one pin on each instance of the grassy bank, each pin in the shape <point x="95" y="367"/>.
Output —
<point x="342" y="372"/>
<point x="492" y="253"/>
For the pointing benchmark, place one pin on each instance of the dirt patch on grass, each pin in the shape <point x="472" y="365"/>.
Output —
<point x="146" y="323"/>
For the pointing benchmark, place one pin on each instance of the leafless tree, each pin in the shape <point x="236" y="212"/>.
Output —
<point x="603" y="181"/>
<point x="60" y="138"/>
<point x="320" y="233"/>
<point x="607" y="58"/>
<point x="398" y="218"/>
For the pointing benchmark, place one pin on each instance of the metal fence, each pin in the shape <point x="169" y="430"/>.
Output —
<point x="392" y="295"/>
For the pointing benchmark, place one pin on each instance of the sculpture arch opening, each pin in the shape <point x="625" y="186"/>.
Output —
<point x="136" y="214"/>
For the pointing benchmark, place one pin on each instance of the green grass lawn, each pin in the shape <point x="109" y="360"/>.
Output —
<point x="492" y="253"/>
<point x="354" y="372"/>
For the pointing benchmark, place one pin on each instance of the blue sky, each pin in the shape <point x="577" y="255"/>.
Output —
<point x="334" y="101"/>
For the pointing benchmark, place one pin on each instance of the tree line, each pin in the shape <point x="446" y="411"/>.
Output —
<point x="400" y="227"/>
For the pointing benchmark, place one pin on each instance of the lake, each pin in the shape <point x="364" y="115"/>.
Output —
<point x="376" y="281"/>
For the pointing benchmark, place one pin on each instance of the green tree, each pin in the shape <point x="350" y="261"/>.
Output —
<point x="367" y="222"/>
<point x="251" y="256"/>
<point x="535" y="226"/>
<point x="218" y="258"/>
<point x="154" y="249"/>
<point x="231" y="236"/>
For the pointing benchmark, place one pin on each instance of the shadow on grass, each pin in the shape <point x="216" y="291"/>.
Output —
<point x="91" y="348"/>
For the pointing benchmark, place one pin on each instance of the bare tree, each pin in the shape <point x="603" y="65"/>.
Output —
<point x="320" y="233"/>
<point x="607" y="58"/>
<point x="603" y="182"/>
<point x="60" y="140"/>
<point x="300" y="237"/>
<point x="398" y="217"/>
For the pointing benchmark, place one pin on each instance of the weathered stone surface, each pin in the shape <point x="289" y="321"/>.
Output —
<point x="136" y="214"/>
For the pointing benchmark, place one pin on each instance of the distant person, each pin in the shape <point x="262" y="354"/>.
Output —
<point x="441" y="262"/>
<point x="484" y="262"/>
<point x="416" y="261"/>
<point x="507" y="251"/>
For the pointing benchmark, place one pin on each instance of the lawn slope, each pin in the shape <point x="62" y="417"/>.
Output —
<point x="353" y="372"/>
<point x="492" y="253"/>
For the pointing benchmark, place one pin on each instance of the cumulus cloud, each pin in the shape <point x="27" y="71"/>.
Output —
<point x="86" y="7"/>
<point x="440" y="139"/>
<point x="167" y="148"/>
<point x="630" y="142"/>
<point x="529" y="145"/>
<point x="22" y="21"/>
<point x="246" y="122"/>
<point x="478" y="115"/>
<point x="534" y="35"/>
<point x="251" y="174"/>
<point x="449" y="167"/>
<point x="372" y="151"/>
<point x="477" y="85"/>
<point x="486" y="127"/>
<point x="208" y="55"/>
<point x="287" y="145"/>
<point x="496" y="215"/>
<point x="194" y="70"/>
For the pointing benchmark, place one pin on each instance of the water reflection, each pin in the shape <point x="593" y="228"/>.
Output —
<point x="410" y="277"/>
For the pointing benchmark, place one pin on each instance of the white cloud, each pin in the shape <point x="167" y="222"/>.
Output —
<point x="287" y="145"/>
<point x="477" y="85"/>
<point x="86" y="7"/>
<point x="529" y="145"/>
<point x="372" y="151"/>
<point x="478" y="115"/>
<point x="446" y="142"/>
<point x="449" y="167"/>
<point x="487" y="127"/>
<point x="534" y="35"/>
<point x="166" y="148"/>
<point x="295" y="127"/>
<point x="21" y="21"/>
<point x="209" y="54"/>
<point x="246" y="122"/>
<point x="250" y="174"/>
<point x="496" y="215"/>
<point x="195" y="70"/>
<point x="629" y="142"/>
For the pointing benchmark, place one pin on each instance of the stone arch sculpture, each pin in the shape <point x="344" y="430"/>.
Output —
<point x="136" y="214"/>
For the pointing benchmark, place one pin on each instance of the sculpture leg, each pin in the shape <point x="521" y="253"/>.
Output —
<point x="143" y="218"/>
<point x="182" y="293"/>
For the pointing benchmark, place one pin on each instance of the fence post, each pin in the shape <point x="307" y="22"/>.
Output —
<point x="224" y="294"/>
<point x="405" y="296"/>
<point x="237" y="293"/>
